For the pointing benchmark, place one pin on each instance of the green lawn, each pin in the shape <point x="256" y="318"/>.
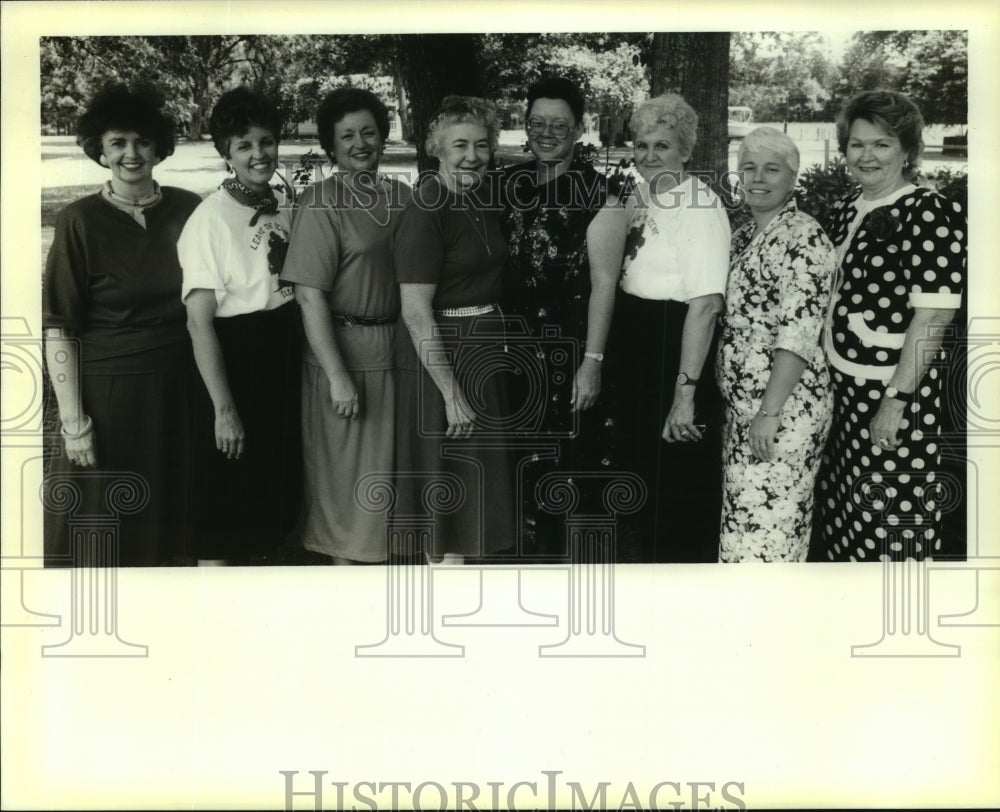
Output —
<point x="55" y="197"/>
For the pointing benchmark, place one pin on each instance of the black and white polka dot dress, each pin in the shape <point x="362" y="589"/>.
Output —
<point x="908" y="251"/>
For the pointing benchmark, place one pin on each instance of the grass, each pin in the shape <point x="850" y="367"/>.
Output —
<point x="55" y="197"/>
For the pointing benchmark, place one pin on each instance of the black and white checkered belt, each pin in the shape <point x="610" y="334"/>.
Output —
<point x="473" y="310"/>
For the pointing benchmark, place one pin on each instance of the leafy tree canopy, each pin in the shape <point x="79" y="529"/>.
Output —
<point x="932" y="67"/>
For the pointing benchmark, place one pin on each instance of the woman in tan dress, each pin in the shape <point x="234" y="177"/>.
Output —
<point x="340" y="259"/>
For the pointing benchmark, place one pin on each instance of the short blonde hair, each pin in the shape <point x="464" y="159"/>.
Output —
<point x="772" y="139"/>
<point x="672" y="110"/>
<point x="462" y="110"/>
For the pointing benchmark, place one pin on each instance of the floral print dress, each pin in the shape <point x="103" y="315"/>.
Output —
<point x="777" y="297"/>
<point x="546" y="294"/>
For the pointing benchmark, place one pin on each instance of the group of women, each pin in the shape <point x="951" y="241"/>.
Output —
<point x="263" y="363"/>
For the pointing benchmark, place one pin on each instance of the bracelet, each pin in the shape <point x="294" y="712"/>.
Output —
<point x="88" y="427"/>
<point x="594" y="356"/>
<point x="765" y="413"/>
<point x="895" y="394"/>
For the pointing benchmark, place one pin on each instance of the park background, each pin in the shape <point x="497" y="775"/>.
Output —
<point x="747" y="675"/>
<point x="796" y="81"/>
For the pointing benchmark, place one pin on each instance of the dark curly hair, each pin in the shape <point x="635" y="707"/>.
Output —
<point x="892" y="111"/>
<point x="557" y="87"/>
<point x="116" y="107"/>
<point x="338" y="103"/>
<point x="237" y="111"/>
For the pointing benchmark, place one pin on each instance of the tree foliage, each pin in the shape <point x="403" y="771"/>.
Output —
<point x="185" y="70"/>
<point x="931" y="67"/>
<point x="610" y="69"/>
<point x="771" y="69"/>
<point x="615" y="70"/>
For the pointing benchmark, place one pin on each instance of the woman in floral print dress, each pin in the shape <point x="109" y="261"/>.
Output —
<point x="771" y="369"/>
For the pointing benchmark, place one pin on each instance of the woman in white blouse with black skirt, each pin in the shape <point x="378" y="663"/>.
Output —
<point x="662" y="347"/>
<point x="244" y="328"/>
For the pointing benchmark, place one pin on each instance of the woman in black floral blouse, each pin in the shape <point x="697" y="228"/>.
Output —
<point x="902" y="252"/>
<point x="565" y="247"/>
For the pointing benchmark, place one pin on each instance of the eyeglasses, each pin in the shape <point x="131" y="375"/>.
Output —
<point x="536" y="127"/>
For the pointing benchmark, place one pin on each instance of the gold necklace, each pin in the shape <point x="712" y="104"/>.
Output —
<point x="482" y="234"/>
<point x="370" y="211"/>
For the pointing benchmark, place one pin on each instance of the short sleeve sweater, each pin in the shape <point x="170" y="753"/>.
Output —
<point x="451" y="241"/>
<point x="114" y="284"/>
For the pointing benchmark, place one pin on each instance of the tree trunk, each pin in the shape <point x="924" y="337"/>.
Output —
<point x="200" y="78"/>
<point x="195" y="125"/>
<point x="612" y="130"/>
<point x="697" y="67"/>
<point x="402" y="106"/>
<point x="434" y="66"/>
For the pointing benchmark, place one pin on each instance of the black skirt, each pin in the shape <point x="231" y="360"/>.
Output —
<point x="680" y="519"/>
<point x="134" y="506"/>
<point x="247" y="507"/>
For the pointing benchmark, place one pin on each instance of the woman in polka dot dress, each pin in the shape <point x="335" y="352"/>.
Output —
<point x="902" y="272"/>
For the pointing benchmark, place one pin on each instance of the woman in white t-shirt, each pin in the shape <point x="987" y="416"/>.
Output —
<point x="243" y="325"/>
<point x="668" y="412"/>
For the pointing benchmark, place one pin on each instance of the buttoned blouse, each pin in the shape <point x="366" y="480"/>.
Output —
<point x="906" y="253"/>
